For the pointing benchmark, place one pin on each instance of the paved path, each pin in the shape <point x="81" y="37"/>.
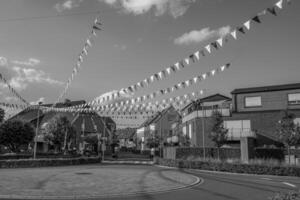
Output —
<point x="87" y="181"/>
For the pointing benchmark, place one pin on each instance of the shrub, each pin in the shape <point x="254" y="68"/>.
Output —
<point x="232" y="167"/>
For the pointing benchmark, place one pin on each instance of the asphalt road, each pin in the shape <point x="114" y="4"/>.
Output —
<point x="220" y="186"/>
<point x="213" y="185"/>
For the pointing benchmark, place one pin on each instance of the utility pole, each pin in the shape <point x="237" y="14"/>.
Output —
<point x="203" y="131"/>
<point x="36" y="131"/>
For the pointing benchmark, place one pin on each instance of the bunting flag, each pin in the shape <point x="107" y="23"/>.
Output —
<point x="12" y="106"/>
<point x="13" y="91"/>
<point x="176" y="87"/>
<point x="88" y="44"/>
<point x="196" y="55"/>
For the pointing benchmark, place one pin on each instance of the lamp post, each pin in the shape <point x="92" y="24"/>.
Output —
<point x="36" y="131"/>
<point x="203" y="131"/>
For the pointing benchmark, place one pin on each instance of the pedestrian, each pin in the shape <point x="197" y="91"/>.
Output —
<point x="152" y="152"/>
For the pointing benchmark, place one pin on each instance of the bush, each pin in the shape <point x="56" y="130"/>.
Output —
<point x="48" y="162"/>
<point x="232" y="167"/>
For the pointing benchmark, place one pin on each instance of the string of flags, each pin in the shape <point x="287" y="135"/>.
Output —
<point x="12" y="106"/>
<point x="153" y="95"/>
<point x="196" y="56"/>
<point x="87" y="45"/>
<point x="137" y="109"/>
<point x="13" y="91"/>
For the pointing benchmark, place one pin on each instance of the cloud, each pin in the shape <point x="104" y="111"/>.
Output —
<point x="31" y="62"/>
<point x="3" y="61"/>
<point x="67" y="5"/>
<point x="175" y="8"/>
<point x="41" y="99"/>
<point x="198" y="36"/>
<point x="24" y="76"/>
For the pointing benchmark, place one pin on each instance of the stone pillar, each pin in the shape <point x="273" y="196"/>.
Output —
<point x="247" y="149"/>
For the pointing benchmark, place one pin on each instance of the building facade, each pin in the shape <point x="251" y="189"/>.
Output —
<point x="158" y="126"/>
<point x="250" y="113"/>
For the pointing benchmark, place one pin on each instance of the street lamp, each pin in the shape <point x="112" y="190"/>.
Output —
<point x="203" y="131"/>
<point x="36" y="131"/>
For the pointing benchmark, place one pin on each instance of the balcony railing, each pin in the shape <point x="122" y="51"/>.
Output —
<point x="237" y="133"/>
<point x="206" y="113"/>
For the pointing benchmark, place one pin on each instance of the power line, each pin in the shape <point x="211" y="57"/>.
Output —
<point x="48" y="17"/>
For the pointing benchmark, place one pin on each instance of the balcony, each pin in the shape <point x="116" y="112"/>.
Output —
<point x="206" y="113"/>
<point x="235" y="134"/>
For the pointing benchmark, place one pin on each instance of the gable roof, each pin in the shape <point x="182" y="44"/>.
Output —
<point x="211" y="98"/>
<point x="157" y="117"/>
<point x="267" y="88"/>
<point x="125" y="133"/>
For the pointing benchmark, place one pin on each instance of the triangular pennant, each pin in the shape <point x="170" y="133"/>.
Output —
<point x="96" y="28"/>
<point x="89" y="43"/>
<point x="233" y="34"/>
<point x="214" y="44"/>
<point x="220" y="41"/>
<point x="168" y="70"/>
<point x="202" y="53"/>
<point x="192" y="57"/>
<point x="187" y="61"/>
<point x="177" y="66"/>
<point x="272" y="11"/>
<point x="197" y="55"/>
<point x="94" y="33"/>
<point x="256" y="19"/>
<point x="264" y="12"/>
<point x="279" y="4"/>
<point x="208" y="48"/>
<point x="241" y="29"/>
<point x="247" y="24"/>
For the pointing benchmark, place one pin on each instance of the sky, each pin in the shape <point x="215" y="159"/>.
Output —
<point x="40" y="41"/>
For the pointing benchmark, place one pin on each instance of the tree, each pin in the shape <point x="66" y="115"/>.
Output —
<point x="218" y="133"/>
<point x="288" y="132"/>
<point x="59" y="131"/>
<point x="14" y="134"/>
<point x="2" y="115"/>
<point x="152" y="142"/>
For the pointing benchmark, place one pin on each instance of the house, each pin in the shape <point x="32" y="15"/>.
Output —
<point x="196" y="116"/>
<point x="257" y="110"/>
<point x="251" y="113"/>
<point x="126" y="137"/>
<point x="160" y="125"/>
<point x="84" y="123"/>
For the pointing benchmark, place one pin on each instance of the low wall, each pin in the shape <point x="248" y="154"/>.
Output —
<point x="185" y="152"/>
<point x="232" y="167"/>
<point x="48" y="162"/>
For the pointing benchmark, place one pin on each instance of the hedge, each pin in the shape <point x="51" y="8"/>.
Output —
<point x="48" y="162"/>
<point x="39" y="155"/>
<point x="232" y="167"/>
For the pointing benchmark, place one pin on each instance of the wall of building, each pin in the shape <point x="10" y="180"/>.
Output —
<point x="263" y="122"/>
<point x="274" y="100"/>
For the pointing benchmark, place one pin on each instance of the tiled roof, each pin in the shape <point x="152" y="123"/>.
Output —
<point x="267" y="88"/>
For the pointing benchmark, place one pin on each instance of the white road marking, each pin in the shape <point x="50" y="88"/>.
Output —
<point x="289" y="184"/>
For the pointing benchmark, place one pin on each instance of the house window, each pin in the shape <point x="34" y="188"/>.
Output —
<point x="294" y="98"/>
<point x="253" y="101"/>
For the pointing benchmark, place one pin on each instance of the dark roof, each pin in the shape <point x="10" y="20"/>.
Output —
<point x="90" y="119"/>
<point x="267" y="88"/>
<point x="125" y="133"/>
<point x="66" y="104"/>
<point x="211" y="98"/>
